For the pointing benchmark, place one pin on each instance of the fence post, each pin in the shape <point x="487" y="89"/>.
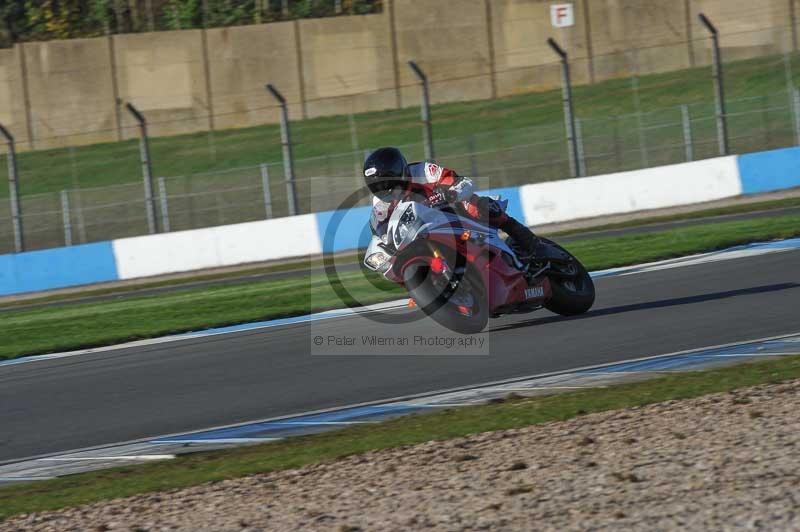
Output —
<point x="473" y="161"/>
<point x="65" y="216"/>
<point x="286" y="144"/>
<point x="13" y="191"/>
<point x="265" y="186"/>
<point x="358" y="165"/>
<point x="77" y="208"/>
<point x="569" y="115"/>
<point x="765" y="121"/>
<point x="581" y="152"/>
<point x="787" y="69"/>
<point x="639" y="123"/>
<point x="796" y="108"/>
<point x="688" y="143"/>
<point x="618" y="155"/>
<point x="147" y="168"/>
<point x="162" y="195"/>
<point x="426" y="110"/>
<point x="719" y="85"/>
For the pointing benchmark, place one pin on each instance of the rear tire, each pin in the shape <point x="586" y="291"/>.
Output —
<point x="438" y="306"/>
<point x="575" y="298"/>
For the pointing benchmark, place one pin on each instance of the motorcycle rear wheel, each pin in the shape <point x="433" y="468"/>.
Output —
<point x="571" y="297"/>
<point x="440" y="307"/>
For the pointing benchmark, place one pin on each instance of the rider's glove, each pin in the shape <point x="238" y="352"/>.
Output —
<point x="451" y="195"/>
<point x="461" y="191"/>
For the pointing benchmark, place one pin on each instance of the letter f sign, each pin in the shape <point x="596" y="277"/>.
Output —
<point x="562" y="15"/>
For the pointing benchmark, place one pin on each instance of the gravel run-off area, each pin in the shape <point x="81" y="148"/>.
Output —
<point x="719" y="462"/>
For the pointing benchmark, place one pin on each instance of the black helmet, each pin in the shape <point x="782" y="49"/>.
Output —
<point x="385" y="169"/>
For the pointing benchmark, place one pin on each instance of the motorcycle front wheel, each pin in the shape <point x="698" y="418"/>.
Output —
<point x="464" y="309"/>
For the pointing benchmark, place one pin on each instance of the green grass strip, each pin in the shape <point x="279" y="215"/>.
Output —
<point x="45" y="330"/>
<point x="744" y="208"/>
<point x="220" y="465"/>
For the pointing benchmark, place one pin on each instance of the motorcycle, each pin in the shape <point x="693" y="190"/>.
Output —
<point x="460" y="272"/>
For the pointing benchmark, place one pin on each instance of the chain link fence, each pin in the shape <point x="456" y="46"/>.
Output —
<point x="510" y="157"/>
<point x="626" y="123"/>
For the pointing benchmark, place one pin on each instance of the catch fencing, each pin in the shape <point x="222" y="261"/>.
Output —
<point x="634" y="121"/>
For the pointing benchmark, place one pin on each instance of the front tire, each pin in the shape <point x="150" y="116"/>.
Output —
<point x="440" y="305"/>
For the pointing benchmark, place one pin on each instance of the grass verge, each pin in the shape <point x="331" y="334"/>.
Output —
<point x="746" y="208"/>
<point x="215" y="466"/>
<point x="27" y="332"/>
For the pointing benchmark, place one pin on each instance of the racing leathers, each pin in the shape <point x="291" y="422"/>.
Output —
<point x="442" y="186"/>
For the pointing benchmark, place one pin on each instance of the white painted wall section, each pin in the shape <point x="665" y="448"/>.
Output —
<point x="214" y="247"/>
<point x="652" y="188"/>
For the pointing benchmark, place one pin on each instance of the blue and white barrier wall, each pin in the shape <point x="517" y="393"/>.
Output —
<point x="312" y="234"/>
<point x="651" y="188"/>
<point x="215" y="247"/>
<point x="768" y="171"/>
<point x="56" y="268"/>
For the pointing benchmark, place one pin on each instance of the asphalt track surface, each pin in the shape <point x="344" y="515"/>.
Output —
<point x="137" y="392"/>
<point x="300" y="271"/>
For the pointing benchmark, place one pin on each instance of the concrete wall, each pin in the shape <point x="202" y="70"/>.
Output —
<point x="241" y="61"/>
<point x="12" y="109"/>
<point x="748" y="29"/>
<point x="471" y="49"/>
<point x="450" y="40"/>
<point x="70" y="92"/>
<point x="523" y="60"/>
<point x="348" y="65"/>
<point x="657" y="31"/>
<point x="165" y="79"/>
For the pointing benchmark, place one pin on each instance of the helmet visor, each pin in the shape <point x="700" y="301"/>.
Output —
<point x="384" y="188"/>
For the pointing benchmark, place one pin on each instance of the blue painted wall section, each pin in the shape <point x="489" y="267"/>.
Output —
<point x="344" y="229"/>
<point x="56" y="268"/>
<point x="770" y="170"/>
<point x="514" y="202"/>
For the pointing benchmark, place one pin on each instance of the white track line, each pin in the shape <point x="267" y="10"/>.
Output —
<point x="23" y="479"/>
<point x="212" y="441"/>
<point x="132" y="457"/>
<point x="753" y="355"/>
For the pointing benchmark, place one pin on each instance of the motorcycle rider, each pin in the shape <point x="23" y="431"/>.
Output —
<point x="390" y="178"/>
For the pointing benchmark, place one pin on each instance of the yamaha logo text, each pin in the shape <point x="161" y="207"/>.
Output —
<point x="534" y="292"/>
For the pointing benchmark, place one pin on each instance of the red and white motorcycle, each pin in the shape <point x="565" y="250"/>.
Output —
<point x="460" y="272"/>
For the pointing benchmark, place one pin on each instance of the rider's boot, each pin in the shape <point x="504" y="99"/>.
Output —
<point x="526" y="242"/>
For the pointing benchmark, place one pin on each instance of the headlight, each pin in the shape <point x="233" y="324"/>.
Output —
<point x="377" y="260"/>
